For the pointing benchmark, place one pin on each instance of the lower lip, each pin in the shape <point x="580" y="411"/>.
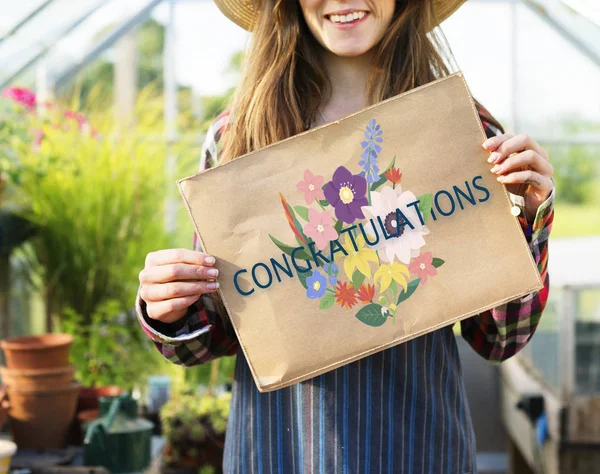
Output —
<point x="349" y="25"/>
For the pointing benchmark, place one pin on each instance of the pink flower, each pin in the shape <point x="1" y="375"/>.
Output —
<point x="311" y="187"/>
<point x="21" y="96"/>
<point x="422" y="267"/>
<point x="79" y="118"/>
<point x="319" y="228"/>
<point x="38" y="137"/>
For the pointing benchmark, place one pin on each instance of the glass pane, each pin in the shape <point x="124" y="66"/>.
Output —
<point x="587" y="342"/>
<point x="542" y="352"/>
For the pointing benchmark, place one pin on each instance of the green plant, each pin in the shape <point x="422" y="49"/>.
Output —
<point x="194" y="429"/>
<point x="576" y="171"/>
<point x="96" y="196"/>
<point x="110" y="350"/>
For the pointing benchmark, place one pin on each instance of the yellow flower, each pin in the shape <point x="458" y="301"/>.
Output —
<point x="358" y="258"/>
<point x="394" y="271"/>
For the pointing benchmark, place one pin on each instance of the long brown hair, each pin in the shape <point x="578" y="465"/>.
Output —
<point x="284" y="80"/>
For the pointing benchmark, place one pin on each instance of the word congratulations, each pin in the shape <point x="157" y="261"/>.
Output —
<point x="301" y="260"/>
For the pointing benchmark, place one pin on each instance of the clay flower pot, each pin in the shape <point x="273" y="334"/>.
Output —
<point x="38" y="378"/>
<point x="89" y="397"/>
<point x="40" y="419"/>
<point x="37" y="352"/>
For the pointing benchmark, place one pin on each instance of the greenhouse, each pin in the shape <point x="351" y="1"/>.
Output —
<point x="106" y="104"/>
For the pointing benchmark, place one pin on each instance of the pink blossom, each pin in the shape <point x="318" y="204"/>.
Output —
<point x="422" y="266"/>
<point x="320" y="228"/>
<point x="38" y="137"/>
<point x="21" y="96"/>
<point x="311" y="187"/>
<point x="79" y="118"/>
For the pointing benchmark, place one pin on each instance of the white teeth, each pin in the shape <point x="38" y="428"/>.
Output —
<point x="350" y="17"/>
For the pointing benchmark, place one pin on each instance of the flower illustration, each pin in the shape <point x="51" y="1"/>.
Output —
<point x="359" y="257"/>
<point x="394" y="271"/>
<point x="317" y="285"/>
<point x="366" y="293"/>
<point x="21" y="96"/>
<point x="345" y="295"/>
<point x="422" y="266"/>
<point x="311" y="187"/>
<point x="320" y="228"/>
<point x="332" y="270"/>
<point x="394" y="176"/>
<point x="346" y="192"/>
<point x="289" y="215"/>
<point x="406" y="242"/>
<point x="371" y="150"/>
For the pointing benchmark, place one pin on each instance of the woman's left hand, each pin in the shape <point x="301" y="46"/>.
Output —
<point x="523" y="166"/>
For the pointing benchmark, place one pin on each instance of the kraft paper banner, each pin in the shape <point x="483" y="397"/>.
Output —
<point x="360" y="234"/>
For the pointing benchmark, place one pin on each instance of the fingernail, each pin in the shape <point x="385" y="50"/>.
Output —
<point x="488" y="143"/>
<point x="500" y="178"/>
<point x="209" y="260"/>
<point x="495" y="169"/>
<point x="493" y="157"/>
<point x="213" y="285"/>
<point x="213" y="272"/>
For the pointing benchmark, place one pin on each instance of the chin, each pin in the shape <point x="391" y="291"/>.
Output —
<point x="349" y="50"/>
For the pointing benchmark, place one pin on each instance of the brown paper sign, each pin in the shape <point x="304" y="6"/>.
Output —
<point x="361" y="234"/>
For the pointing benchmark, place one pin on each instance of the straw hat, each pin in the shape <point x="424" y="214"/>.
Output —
<point x="242" y="12"/>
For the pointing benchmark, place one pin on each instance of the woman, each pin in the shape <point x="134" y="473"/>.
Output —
<point x="403" y="409"/>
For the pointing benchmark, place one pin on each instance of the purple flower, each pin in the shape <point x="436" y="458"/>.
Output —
<point x="316" y="285"/>
<point x="371" y="150"/>
<point x="346" y="192"/>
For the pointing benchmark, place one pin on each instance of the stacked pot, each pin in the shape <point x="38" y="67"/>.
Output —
<point x="41" y="389"/>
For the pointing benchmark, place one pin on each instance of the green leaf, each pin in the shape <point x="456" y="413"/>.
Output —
<point x="437" y="262"/>
<point x="412" y="286"/>
<point x="338" y="226"/>
<point x="357" y="279"/>
<point x="323" y="202"/>
<point x="327" y="301"/>
<point x="383" y="179"/>
<point x="302" y="212"/>
<point x="283" y="247"/>
<point x="426" y="201"/>
<point x="303" y="277"/>
<point x="371" y="315"/>
<point x="300" y="254"/>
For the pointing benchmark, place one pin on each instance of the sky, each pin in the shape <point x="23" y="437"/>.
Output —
<point x="553" y="79"/>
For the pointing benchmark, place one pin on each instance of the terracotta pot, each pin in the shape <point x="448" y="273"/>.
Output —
<point x="89" y="397"/>
<point x="38" y="378"/>
<point x="40" y="419"/>
<point x="37" y="352"/>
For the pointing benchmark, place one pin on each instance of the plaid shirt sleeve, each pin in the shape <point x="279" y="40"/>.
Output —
<point x="501" y="332"/>
<point x="205" y="333"/>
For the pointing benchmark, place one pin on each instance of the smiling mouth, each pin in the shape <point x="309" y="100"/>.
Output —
<point x="346" y="18"/>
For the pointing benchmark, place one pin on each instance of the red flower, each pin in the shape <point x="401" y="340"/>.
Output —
<point x="21" y="96"/>
<point x="422" y="266"/>
<point x="345" y="295"/>
<point x="366" y="293"/>
<point x="394" y="176"/>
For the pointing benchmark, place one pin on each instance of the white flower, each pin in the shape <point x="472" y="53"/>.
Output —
<point x="384" y="205"/>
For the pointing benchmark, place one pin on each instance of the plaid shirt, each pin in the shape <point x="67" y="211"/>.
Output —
<point x="315" y="426"/>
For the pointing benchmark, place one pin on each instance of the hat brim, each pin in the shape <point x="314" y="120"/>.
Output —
<point x="243" y="12"/>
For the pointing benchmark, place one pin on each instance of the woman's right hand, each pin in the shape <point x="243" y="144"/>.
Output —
<point x="173" y="280"/>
